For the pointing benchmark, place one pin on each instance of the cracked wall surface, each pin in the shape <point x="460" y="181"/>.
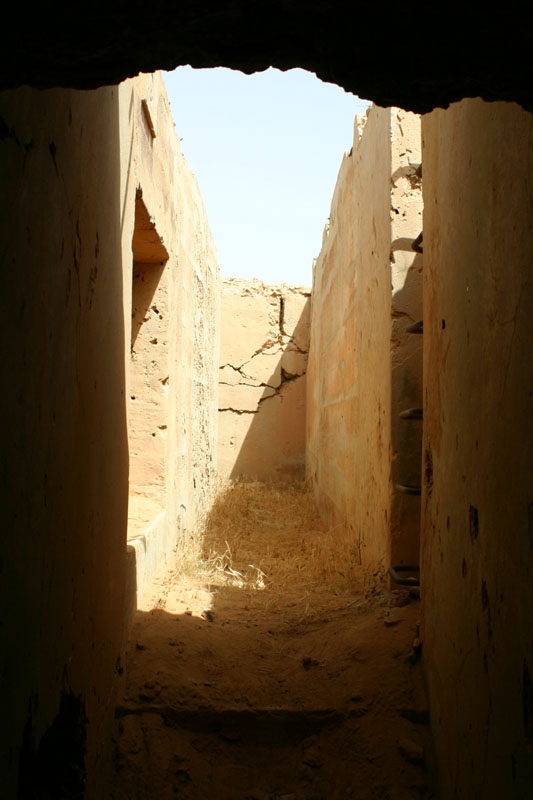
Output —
<point x="364" y="368"/>
<point x="262" y="385"/>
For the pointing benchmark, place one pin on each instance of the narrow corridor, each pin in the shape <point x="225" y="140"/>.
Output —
<point x="270" y="666"/>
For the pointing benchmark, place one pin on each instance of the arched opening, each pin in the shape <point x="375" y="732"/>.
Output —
<point x="64" y="465"/>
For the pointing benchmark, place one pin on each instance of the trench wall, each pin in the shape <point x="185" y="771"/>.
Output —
<point x="477" y="585"/>
<point x="364" y="368"/>
<point x="262" y="380"/>
<point x="70" y="169"/>
<point x="171" y="365"/>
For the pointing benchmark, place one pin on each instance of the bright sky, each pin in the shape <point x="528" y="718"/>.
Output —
<point x="266" y="149"/>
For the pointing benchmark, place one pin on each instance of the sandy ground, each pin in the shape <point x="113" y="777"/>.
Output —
<point x="269" y="667"/>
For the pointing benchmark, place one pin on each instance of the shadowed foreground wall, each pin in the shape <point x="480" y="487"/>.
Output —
<point x="64" y="458"/>
<point x="364" y="368"/>
<point x="70" y="170"/>
<point x="262" y="383"/>
<point x="478" y="447"/>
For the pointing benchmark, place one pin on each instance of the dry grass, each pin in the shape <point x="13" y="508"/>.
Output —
<point x="266" y="541"/>
<point x="269" y="537"/>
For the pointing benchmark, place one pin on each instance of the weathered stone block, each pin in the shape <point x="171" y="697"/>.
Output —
<point x="293" y="362"/>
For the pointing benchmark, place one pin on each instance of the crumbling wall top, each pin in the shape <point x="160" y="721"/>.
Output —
<point x="257" y="288"/>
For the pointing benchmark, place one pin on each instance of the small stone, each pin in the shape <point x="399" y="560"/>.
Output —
<point x="306" y="773"/>
<point x="230" y="736"/>
<point x="416" y="651"/>
<point x="411" y="751"/>
<point x="313" y="757"/>
<point x="208" y="614"/>
<point x="400" y="598"/>
<point x="182" y="777"/>
<point x="394" y="616"/>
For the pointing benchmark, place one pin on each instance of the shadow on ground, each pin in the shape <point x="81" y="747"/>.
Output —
<point x="271" y="684"/>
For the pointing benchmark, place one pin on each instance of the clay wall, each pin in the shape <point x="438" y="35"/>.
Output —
<point x="477" y="565"/>
<point x="171" y="320"/>
<point x="72" y="165"/>
<point x="262" y="383"/>
<point x="364" y="368"/>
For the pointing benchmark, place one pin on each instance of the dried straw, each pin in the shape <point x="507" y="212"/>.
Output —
<point x="268" y="536"/>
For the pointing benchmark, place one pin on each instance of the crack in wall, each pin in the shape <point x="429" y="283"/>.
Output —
<point x="244" y="379"/>
<point x="275" y="391"/>
<point x="282" y="315"/>
<point x="264" y="345"/>
<point x="261" y="350"/>
<point x="284" y="381"/>
<point x="286" y="377"/>
<point x="282" y="356"/>
<point x="239" y="410"/>
<point x="293" y="342"/>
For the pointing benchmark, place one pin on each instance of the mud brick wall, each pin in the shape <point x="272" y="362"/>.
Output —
<point x="364" y="367"/>
<point x="262" y="380"/>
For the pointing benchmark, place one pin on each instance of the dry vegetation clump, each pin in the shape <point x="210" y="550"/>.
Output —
<point x="266" y="542"/>
<point x="269" y="536"/>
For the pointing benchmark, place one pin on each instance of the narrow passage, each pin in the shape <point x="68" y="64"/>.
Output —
<point x="270" y="667"/>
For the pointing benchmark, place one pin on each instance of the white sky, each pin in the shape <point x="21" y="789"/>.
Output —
<point x="266" y="149"/>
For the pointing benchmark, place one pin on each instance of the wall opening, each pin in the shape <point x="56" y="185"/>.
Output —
<point x="148" y="374"/>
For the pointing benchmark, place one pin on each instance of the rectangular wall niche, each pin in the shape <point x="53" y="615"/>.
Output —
<point x="148" y="374"/>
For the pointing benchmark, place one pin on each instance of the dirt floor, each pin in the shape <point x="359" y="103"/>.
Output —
<point x="269" y="667"/>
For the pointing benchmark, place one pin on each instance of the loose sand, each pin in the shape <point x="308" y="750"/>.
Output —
<point x="267" y="665"/>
